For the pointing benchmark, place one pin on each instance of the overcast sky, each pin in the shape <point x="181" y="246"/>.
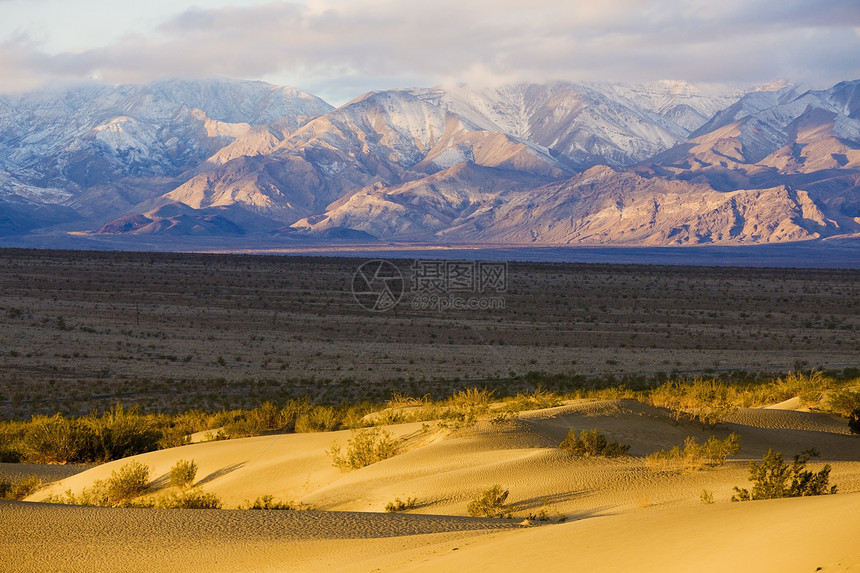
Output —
<point x="338" y="49"/>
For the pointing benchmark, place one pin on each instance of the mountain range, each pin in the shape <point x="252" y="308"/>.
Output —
<point x="667" y="163"/>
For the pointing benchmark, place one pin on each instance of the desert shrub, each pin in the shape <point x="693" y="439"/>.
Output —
<point x="471" y="397"/>
<point x="854" y="421"/>
<point x="400" y="505"/>
<point x="592" y="444"/>
<point x="318" y="419"/>
<point x="12" y="441"/>
<point x="120" y="489"/>
<point x="367" y="446"/>
<point x="192" y="499"/>
<point x="120" y="432"/>
<point x="491" y="503"/>
<point x="177" y="429"/>
<point x="774" y="478"/>
<point x="96" y="495"/>
<point x="56" y="439"/>
<point x="182" y="473"/>
<point x="18" y="489"/>
<point x="537" y="400"/>
<point x="268" y="417"/>
<point x="400" y="400"/>
<point x="695" y="456"/>
<point x="130" y="481"/>
<point x="268" y="502"/>
<point x="843" y="402"/>
<point x="707" y="497"/>
<point x="708" y="401"/>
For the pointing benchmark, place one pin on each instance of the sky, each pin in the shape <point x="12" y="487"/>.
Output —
<point x="339" y="49"/>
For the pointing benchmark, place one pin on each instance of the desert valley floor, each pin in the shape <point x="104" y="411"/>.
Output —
<point x="171" y="332"/>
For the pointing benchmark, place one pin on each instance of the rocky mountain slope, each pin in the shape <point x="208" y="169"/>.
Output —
<point x="563" y="163"/>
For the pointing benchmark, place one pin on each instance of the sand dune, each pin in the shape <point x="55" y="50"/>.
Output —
<point x="621" y="515"/>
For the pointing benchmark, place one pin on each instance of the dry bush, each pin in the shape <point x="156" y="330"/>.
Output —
<point x="491" y="503"/>
<point x="18" y="489"/>
<point x="367" y="446"/>
<point x="318" y="419"/>
<point x="182" y="473"/>
<point x="400" y="505"/>
<point x="592" y="444"/>
<point x="193" y="499"/>
<point x="695" y="456"/>
<point x="120" y="489"/>
<point x="537" y="400"/>
<point x="773" y="478"/>
<point x="843" y="402"/>
<point x="708" y="401"/>
<point x="130" y="481"/>
<point x="267" y="502"/>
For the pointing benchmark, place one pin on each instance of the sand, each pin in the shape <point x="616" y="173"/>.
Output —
<point x="621" y="516"/>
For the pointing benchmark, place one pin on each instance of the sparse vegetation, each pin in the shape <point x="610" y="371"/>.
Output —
<point x="182" y="473"/>
<point x="854" y="421"/>
<point x="18" y="489"/>
<point x="130" y="481"/>
<point x="844" y="402"/>
<point x="120" y="489"/>
<point x="774" y="478"/>
<point x="708" y="401"/>
<point x="707" y="497"/>
<point x="367" y="446"/>
<point x="491" y="503"/>
<point x="592" y="443"/>
<point x="268" y="502"/>
<point x="695" y="456"/>
<point x="399" y="505"/>
<point x="192" y="499"/>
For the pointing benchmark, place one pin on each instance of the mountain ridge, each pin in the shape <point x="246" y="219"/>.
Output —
<point x="563" y="163"/>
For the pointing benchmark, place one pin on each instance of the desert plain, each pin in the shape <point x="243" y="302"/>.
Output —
<point x="170" y="333"/>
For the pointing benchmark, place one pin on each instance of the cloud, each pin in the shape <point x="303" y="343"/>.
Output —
<point x="331" y="45"/>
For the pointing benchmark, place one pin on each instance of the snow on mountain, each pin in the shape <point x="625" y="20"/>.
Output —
<point x="665" y="163"/>
<point x="93" y="135"/>
<point x="588" y="123"/>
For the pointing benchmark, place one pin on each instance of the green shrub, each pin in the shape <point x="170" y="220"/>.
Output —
<point x="854" y="421"/>
<point x="120" y="433"/>
<point x="367" y="446"/>
<point x="119" y="490"/>
<point x="400" y="505"/>
<point x="10" y="489"/>
<point x="843" y="402"/>
<point x="471" y="397"/>
<point x="130" y="481"/>
<point x="56" y="439"/>
<point x="491" y="503"/>
<point x="773" y="478"/>
<point x="592" y="444"/>
<point x="182" y="473"/>
<point x="193" y="499"/>
<point x="537" y="400"/>
<point x="708" y="401"/>
<point x="318" y="419"/>
<point x="176" y="430"/>
<point x="268" y="502"/>
<point x="695" y="456"/>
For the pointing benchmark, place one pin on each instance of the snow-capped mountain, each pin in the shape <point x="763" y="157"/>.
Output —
<point x="87" y="142"/>
<point x="560" y="163"/>
<point x="586" y="124"/>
